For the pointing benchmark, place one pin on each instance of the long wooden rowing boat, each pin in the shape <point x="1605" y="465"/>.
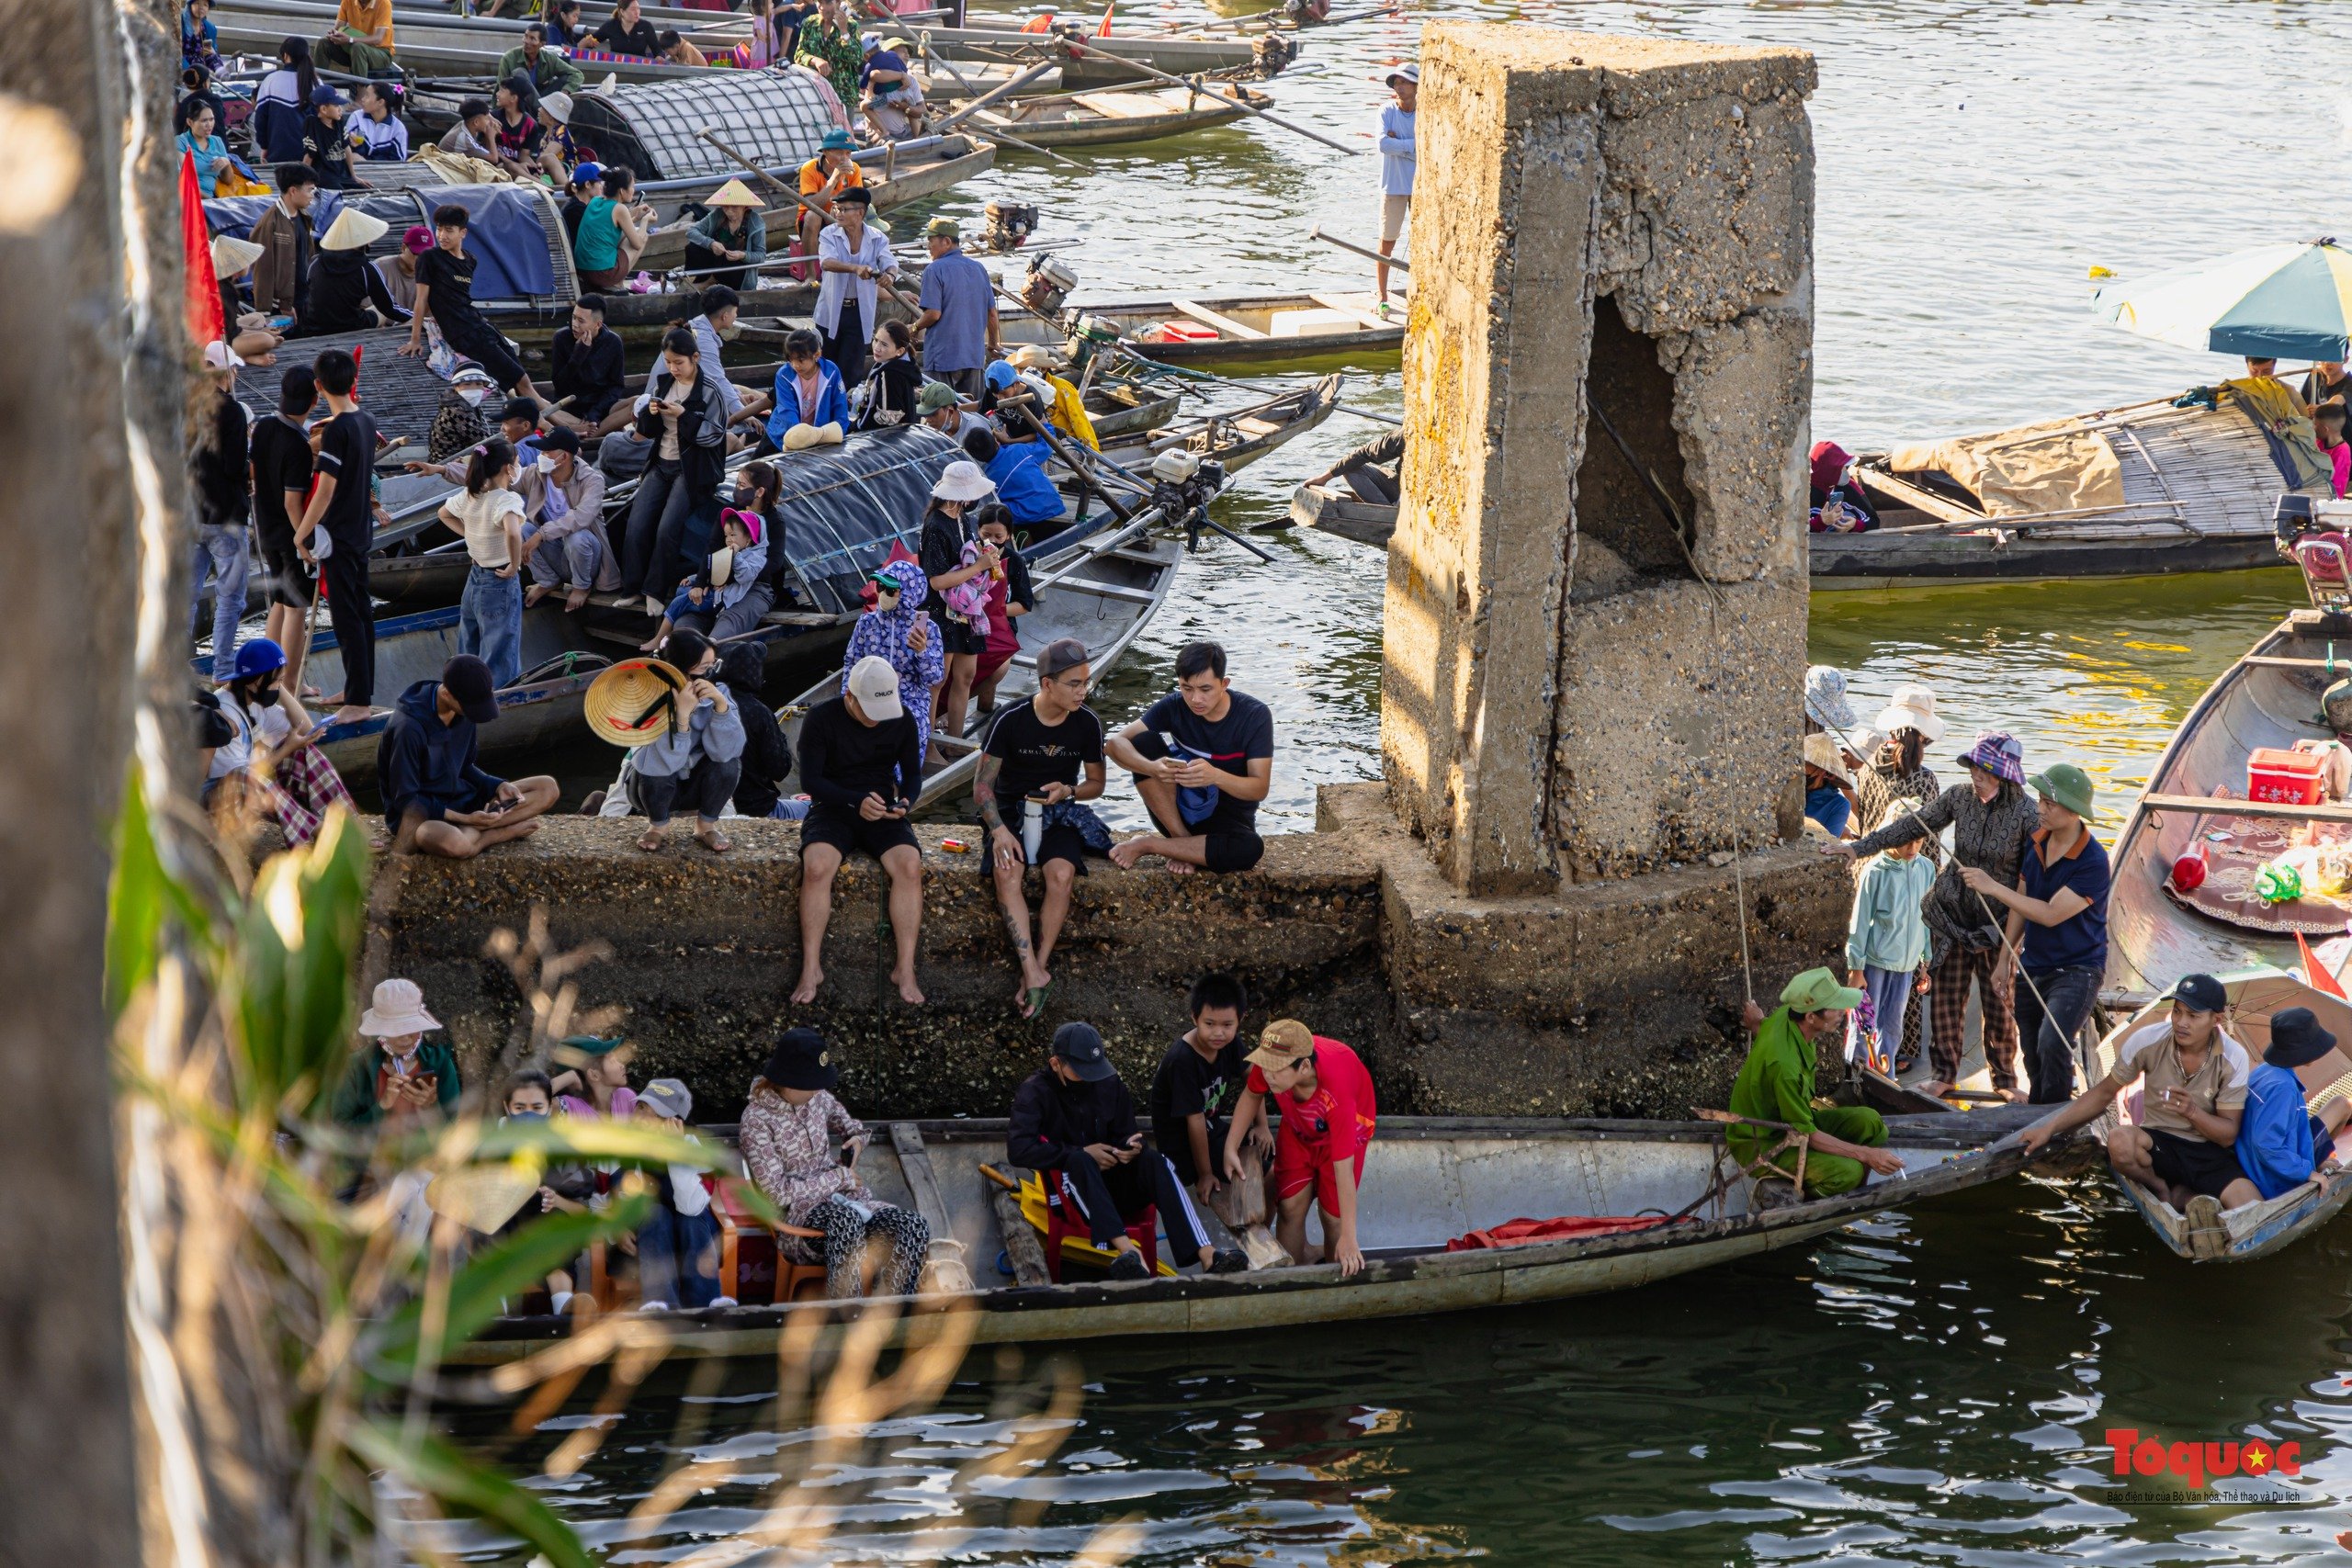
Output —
<point x="2261" y="1228"/>
<point x="2196" y="800"/>
<point x="1101" y="118"/>
<point x="1335" y="509"/>
<point x="2130" y="491"/>
<point x="1254" y="328"/>
<point x="1103" y="589"/>
<point x="1237" y="437"/>
<point x="1429" y="1181"/>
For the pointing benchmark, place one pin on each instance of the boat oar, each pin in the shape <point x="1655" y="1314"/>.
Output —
<point x="783" y="189"/>
<point x="1369" y="254"/>
<point x="997" y="132"/>
<point x="1095" y="45"/>
<point x="1010" y="85"/>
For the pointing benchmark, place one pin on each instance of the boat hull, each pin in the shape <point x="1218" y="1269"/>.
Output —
<point x="1884" y="559"/>
<point x="1327" y="509"/>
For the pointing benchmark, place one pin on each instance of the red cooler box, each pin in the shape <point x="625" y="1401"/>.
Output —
<point x="2291" y="778"/>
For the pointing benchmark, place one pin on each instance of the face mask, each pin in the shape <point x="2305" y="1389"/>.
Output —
<point x="527" y="1116"/>
<point x="546" y="462"/>
<point x="474" y="395"/>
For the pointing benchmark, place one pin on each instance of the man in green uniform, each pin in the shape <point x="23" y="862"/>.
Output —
<point x="1776" y="1082"/>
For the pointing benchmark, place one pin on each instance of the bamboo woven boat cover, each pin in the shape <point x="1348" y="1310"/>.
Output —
<point x="2060" y="466"/>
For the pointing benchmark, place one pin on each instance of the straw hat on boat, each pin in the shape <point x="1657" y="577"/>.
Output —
<point x="630" y="703"/>
<point x="353" y="231"/>
<point x="735" y="193"/>
<point x="800" y="437"/>
<point x="232" y="255"/>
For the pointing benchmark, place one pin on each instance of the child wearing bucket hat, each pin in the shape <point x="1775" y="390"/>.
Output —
<point x="397" y="1074"/>
<point x="2061" y="897"/>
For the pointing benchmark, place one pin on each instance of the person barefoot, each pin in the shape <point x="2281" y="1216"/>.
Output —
<point x="861" y="762"/>
<point x="437" y="800"/>
<point x="1202" y="757"/>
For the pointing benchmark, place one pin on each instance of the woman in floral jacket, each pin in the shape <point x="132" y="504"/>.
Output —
<point x="794" y="1135"/>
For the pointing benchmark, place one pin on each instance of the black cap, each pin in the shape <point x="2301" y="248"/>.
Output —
<point x="801" y="1061"/>
<point x="525" y="408"/>
<point x="2200" y="991"/>
<point x="856" y="195"/>
<point x="467" y="678"/>
<point x="1080" y="1045"/>
<point x="1062" y="653"/>
<point x="2296" y="1038"/>
<point x="559" y="440"/>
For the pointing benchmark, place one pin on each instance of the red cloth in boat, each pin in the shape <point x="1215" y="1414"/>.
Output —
<point x="1574" y="1227"/>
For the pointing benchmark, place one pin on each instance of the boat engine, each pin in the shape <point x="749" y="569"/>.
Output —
<point x="1048" y="284"/>
<point x="1182" y="485"/>
<point x="1271" y="53"/>
<point x="1010" y="223"/>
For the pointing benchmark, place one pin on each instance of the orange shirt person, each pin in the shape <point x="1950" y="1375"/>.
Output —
<point x="1328" y="1113"/>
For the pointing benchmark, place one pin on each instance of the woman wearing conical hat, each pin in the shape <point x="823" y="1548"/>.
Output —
<point x="347" y="295"/>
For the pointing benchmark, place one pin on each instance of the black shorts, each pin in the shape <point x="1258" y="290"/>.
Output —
<point x="1059" y="841"/>
<point x="481" y="342"/>
<point x="845" y="831"/>
<point x="1231" y="828"/>
<point x="954" y="637"/>
<point x="289" y="585"/>
<point x="2202" y="1167"/>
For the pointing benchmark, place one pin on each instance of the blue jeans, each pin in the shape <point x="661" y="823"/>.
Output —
<point x="2048" y="1032"/>
<point x="490" y="624"/>
<point x="1890" y="992"/>
<point x="677" y="1256"/>
<point x="220" y="556"/>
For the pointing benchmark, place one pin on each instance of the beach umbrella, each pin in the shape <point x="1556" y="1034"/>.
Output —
<point x="2286" y="301"/>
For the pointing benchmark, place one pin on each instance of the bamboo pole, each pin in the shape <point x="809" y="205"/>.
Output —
<point x="784" y="189"/>
<point x="1095" y="45"/>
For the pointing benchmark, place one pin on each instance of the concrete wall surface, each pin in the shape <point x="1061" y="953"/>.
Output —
<point x="1619" y="998"/>
<point x="1612" y="242"/>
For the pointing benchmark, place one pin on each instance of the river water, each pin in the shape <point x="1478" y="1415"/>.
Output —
<point x="1930" y="1388"/>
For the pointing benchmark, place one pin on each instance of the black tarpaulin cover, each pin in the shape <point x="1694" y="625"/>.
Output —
<point x="845" y="506"/>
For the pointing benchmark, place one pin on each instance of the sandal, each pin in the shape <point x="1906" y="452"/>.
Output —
<point x="651" y="840"/>
<point x="713" y="841"/>
<point x="1033" y="1004"/>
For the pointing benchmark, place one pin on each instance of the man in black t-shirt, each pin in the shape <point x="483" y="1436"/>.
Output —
<point x="340" y="509"/>
<point x="1040" y="754"/>
<point x="281" y="467"/>
<point x="1202" y="757"/>
<point x="324" y="147"/>
<point x="861" y="762"/>
<point x="1194" y="1091"/>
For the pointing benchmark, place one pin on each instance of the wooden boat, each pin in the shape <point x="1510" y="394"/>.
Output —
<point x="2130" y="491"/>
<point x="1335" y="509"/>
<point x="2262" y="1228"/>
<point x="1254" y="328"/>
<point x="1236" y="439"/>
<point x="2156" y="934"/>
<point x="1429" y="1180"/>
<point x="920" y="170"/>
<point x="1101" y="589"/>
<point x="1101" y="118"/>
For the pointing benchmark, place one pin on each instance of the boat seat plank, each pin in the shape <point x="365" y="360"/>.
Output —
<point x="1339" y="303"/>
<point x="1224" y="325"/>
<point x="2222" y="805"/>
<point x="1108" y="590"/>
<point x="2280" y="661"/>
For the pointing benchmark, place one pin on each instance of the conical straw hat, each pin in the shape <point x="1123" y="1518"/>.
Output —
<point x="352" y="230"/>
<point x="629" y="703"/>
<point x="483" y="1197"/>
<point x="735" y="193"/>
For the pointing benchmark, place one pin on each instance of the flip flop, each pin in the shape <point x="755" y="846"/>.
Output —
<point x="717" y="842"/>
<point x="1034" y="1004"/>
<point x="651" y="842"/>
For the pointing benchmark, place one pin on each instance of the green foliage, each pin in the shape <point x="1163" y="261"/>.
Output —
<point x="469" y="1486"/>
<point x="286" y="994"/>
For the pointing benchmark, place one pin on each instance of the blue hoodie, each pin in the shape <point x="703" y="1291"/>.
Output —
<point x="832" y="401"/>
<point x="1018" y="472"/>
<point x="424" y="762"/>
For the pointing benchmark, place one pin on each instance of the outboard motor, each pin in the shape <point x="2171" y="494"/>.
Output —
<point x="1010" y="223"/>
<point x="1047" y="286"/>
<point x="1182" y="485"/>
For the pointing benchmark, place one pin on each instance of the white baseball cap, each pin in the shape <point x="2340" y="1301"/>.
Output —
<point x="875" y="686"/>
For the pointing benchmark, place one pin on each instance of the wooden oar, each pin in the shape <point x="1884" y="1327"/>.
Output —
<point x="999" y="133"/>
<point x="1011" y="85"/>
<point x="783" y="189"/>
<point x="1095" y="45"/>
<point x="1316" y="233"/>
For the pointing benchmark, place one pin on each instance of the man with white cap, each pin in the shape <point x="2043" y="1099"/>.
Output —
<point x="346" y="294"/>
<point x="396" y="1074"/>
<point x="861" y="762"/>
<point x="1397" y="163"/>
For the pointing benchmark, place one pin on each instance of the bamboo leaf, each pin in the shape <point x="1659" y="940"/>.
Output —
<point x="143" y="895"/>
<point x="299" y="941"/>
<point x="468" y="1486"/>
<point x="478" y="1290"/>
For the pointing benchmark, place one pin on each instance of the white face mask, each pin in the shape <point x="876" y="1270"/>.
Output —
<point x="474" y="395"/>
<point x="546" y="462"/>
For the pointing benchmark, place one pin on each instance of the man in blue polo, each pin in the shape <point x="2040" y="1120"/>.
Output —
<point x="2059" y="908"/>
<point x="960" y="320"/>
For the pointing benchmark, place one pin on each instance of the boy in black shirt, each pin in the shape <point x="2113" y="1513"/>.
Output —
<point x="1193" y="1092"/>
<point x="324" y="147"/>
<point x="281" y="465"/>
<point x="339" y="509"/>
<point x="861" y="762"/>
<point x="1202" y="757"/>
<point x="1040" y="753"/>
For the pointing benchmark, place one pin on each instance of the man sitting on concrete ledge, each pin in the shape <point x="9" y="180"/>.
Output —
<point x="1776" y="1083"/>
<point x="861" y="762"/>
<point x="437" y="801"/>
<point x="1076" y="1118"/>
<point x="1202" y="757"/>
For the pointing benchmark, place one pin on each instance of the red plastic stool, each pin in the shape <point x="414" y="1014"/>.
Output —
<point x="1142" y="1230"/>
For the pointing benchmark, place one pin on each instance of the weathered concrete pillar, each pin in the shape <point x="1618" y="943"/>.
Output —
<point x="1607" y="231"/>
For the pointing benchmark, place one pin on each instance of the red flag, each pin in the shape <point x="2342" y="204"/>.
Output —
<point x="205" y="320"/>
<point x="1104" y="31"/>
<point x="2315" y="974"/>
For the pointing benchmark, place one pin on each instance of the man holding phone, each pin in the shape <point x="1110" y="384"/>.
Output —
<point x="2193" y="1087"/>
<point x="1202" y="757"/>
<point x="861" y="762"/>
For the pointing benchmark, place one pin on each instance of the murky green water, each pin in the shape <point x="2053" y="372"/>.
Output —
<point x="1931" y="1388"/>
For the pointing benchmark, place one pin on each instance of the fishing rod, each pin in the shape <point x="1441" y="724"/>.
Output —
<point x="1369" y="254"/>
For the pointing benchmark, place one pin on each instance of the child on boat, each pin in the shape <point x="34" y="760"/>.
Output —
<point x="1886" y="940"/>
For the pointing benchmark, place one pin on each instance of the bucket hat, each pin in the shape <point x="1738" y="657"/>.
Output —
<point x="963" y="480"/>
<point x="2296" y="1039"/>
<point x="1913" y="706"/>
<point x="1825" y="699"/>
<point x="399" y="1009"/>
<point x="802" y="1060"/>
<point x="1997" y="753"/>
